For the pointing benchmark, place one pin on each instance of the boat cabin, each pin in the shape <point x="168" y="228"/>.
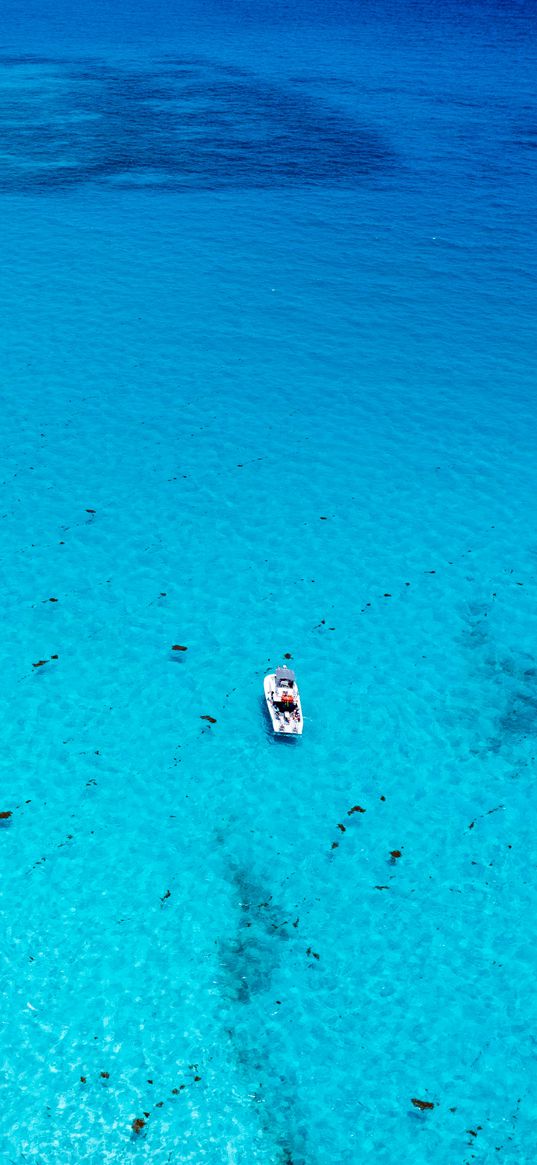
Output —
<point x="285" y="689"/>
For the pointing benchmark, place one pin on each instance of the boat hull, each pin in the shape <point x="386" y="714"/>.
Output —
<point x="283" y="723"/>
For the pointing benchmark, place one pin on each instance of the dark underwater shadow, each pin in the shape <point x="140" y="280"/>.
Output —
<point x="201" y="126"/>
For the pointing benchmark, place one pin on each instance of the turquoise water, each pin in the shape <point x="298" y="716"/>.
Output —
<point x="267" y="364"/>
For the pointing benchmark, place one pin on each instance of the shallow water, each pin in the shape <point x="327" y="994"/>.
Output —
<point x="268" y="387"/>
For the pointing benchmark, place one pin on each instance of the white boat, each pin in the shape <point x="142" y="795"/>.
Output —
<point x="283" y="702"/>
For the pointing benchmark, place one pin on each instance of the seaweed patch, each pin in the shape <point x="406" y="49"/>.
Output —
<point x="487" y="814"/>
<point x="149" y="125"/>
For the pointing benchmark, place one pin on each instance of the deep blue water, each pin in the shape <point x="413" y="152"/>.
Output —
<point x="268" y="387"/>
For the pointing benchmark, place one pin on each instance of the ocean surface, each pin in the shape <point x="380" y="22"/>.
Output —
<point x="267" y="364"/>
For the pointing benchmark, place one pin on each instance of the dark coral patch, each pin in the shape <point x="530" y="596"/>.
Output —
<point x="152" y="129"/>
